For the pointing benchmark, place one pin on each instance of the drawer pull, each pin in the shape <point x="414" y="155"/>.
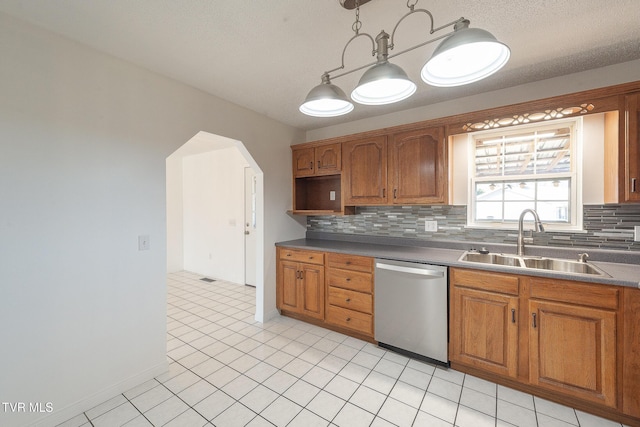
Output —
<point x="310" y="257"/>
<point x="348" y="299"/>
<point x="310" y="165"/>
<point x="348" y="279"/>
<point x="289" y="254"/>
<point x="348" y="263"/>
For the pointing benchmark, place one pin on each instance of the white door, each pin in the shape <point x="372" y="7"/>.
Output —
<point x="250" y="227"/>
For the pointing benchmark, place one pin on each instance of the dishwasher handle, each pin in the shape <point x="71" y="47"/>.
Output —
<point x="410" y="270"/>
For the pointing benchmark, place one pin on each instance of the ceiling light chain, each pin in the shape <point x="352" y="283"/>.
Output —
<point x="464" y="56"/>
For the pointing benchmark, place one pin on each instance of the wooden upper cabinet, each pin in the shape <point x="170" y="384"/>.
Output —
<point x="303" y="161"/>
<point x="632" y="148"/>
<point x="328" y="159"/>
<point x="314" y="161"/>
<point x="365" y="171"/>
<point x="417" y="167"/>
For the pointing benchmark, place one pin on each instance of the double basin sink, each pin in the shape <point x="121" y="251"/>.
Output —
<point x="526" y="262"/>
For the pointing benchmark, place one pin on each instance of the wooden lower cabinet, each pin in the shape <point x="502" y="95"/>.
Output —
<point x="483" y="325"/>
<point x="350" y="292"/>
<point x="301" y="284"/>
<point x="573" y="350"/>
<point x="573" y="342"/>
<point x="327" y="289"/>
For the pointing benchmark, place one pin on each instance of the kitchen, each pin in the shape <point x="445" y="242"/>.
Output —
<point x="81" y="102"/>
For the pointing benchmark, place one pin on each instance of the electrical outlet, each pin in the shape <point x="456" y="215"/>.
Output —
<point x="143" y="243"/>
<point x="332" y="195"/>
<point x="636" y="233"/>
<point x="431" y="226"/>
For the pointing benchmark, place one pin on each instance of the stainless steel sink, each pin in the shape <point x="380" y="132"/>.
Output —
<point x="497" y="259"/>
<point x="527" y="262"/>
<point x="564" y="266"/>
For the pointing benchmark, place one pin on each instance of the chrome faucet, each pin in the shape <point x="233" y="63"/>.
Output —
<point x="537" y="225"/>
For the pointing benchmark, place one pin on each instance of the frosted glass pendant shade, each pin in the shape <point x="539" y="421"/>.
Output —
<point x="383" y="83"/>
<point x="466" y="56"/>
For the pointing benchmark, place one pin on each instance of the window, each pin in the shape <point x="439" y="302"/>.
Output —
<point x="533" y="167"/>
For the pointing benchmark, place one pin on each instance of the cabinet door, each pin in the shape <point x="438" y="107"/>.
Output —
<point x="484" y="330"/>
<point x="632" y="155"/>
<point x="290" y="297"/>
<point x="365" y="171"/>
<point x="417" y="167"/>
<point x="303" y="161"/>
<point x="573" y="350"/>
<point x="328" y="159"/>
<point x="312" y="284"/>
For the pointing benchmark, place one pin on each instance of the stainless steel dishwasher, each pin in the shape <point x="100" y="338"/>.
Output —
<point x="411" y="306"/>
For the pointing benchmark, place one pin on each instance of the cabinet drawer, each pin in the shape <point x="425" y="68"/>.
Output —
<point x="600" y="296"/>
<point x="485" y="281"/>
<point x="353" y="280"/>
<point x="351" y="319"/>
<point x="309" y="257"/>
<point x="350" y="262"/>
<point x="350" y="299"/>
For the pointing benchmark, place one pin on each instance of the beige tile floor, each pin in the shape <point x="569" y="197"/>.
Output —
<point x="228" y="370"/>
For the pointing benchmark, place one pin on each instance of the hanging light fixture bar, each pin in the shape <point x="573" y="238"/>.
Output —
<point x="464" y="56"/>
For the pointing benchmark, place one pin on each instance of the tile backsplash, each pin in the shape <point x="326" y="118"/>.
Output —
<point x="605" y="226"/>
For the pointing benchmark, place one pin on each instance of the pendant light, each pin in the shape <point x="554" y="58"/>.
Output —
<point x="383" y="83"/>
<point x="326" y="100"/>
<point x="464" y="56"/>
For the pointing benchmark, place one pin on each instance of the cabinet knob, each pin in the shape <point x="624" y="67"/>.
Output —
<point x="348" y="279"/>
<point x="348" y="319"/>
<point x="348" y="263"/>
<point x="288" y="254"/>
<point x="310" y="165"/>
<point x="310" y="257"/>
<point x="348" y="299"/>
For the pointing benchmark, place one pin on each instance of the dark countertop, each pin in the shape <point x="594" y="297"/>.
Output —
<point x="448" y="253"/>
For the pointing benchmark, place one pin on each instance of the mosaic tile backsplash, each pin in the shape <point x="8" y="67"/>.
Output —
<point x="606" y="226"/>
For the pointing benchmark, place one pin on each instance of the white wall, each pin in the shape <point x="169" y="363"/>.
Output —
<point x="590" y="79"/>
<point x="84" y="140"/>
<point x="213" y="209"/>
<point x="175" y="219"/>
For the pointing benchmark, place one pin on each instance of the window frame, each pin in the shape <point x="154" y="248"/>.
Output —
<point x="575" y="175"/>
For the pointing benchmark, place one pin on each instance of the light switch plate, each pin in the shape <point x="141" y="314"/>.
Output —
<point x="636" y="233"/>
<point x="431" y="226"/>
<point x="143" y="243"/>
<point x="332" y="195"/>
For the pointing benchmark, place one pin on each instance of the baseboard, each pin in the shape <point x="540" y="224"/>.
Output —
<point x="70" y="411"/>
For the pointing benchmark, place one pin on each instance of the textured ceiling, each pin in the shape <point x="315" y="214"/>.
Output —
<point x="266" y="55"/>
